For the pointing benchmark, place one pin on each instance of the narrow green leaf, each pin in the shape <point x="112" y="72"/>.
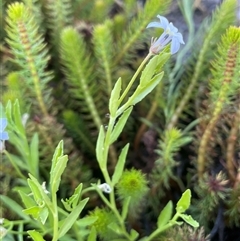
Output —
<point x="36" y="236"/>
<point x="35" y="190"/>
<point x="9" y="111"/>
<point x="100" y="145"/>
<point x="43" y="215"/>
<point x="120" y="124"/>
<point x="162" y="59"/>
<point x="144" y="90"/>
<point x="77" y="192"/>
<point x="149" y="70"/>
<point x="58" y="153"/>
<point x="57" y="172"/>
<point x="33" y="211"/>
<point x="120" y="165"/>
<point x="44" y="196"/>
<point x="67" y="204"/>
<point x="15" y="207"/>
<point x="17" y="162"/>
<point x="71" y="218"/>
<point x="18" y="118"/>
<point x="188" y="219"/>
<point x="83" y="222"/>
<point x="184" y="202"/>
<point x="165" y="215"/>
<point x="186" y="8"/>
<point x="113" y="102"/>
<point x="93" y="235"/>
<point x="115" y="228"/>
<point x="71" y="202"/>
<point x="34" y="155"/>
<point x="27" y="201"/>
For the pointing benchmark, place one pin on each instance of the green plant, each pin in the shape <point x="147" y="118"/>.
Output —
<point x="62" y="83"/>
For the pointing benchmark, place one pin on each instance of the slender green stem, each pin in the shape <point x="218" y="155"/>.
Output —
<point x="55" y="217"/>
<point x="134" y="78"/>
<point x="106" y="149"/>
<point x="114" y="209"/>
<point x="89" y="189"/>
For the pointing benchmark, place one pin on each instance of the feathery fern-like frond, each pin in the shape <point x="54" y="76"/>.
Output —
<point x="100" y="10"/>
<point x="34" y="7"/>
<point x="170" y="143"/>
<point x="129" y="6"/>
<point x="226" y="76"/>
<point x="233" y="211"/>
<point x="233" y="144"/>
<point x="103" y="49"/>
<point x="59" y="14"/>
<point x="29" y="52"/>
<point x="211" y="190"/>
<point x="163" y="170"/>
<point x="79" y="72"/>
<point x="224" y="85"/>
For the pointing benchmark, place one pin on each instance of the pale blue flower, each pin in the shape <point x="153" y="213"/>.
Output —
<point x="170" y="34"/>
<point x="3" y="134"/>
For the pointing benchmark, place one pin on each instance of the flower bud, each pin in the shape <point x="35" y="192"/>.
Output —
<point x="133" y="183"/>
<point x="104" y="218"/>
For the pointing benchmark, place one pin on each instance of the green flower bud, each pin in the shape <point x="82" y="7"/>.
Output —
<point x="133" y="183"/>
<point x="104" y="218"/>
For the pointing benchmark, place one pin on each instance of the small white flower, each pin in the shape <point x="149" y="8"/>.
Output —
<point x="105" y="188"/>
<point x="44" y="188"/>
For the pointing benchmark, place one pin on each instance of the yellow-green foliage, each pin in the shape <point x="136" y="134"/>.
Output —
<point x="224" y="86"/>
<point x="30" y="53"/>
<point x="66" y="92"/>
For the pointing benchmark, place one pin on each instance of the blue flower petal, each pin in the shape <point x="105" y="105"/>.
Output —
<point x="154" y="25"/>
<point x="3" y="124"/>
<point x="164" y="22"/>
<point x="172" y="28"/>
<point x="175" y="46"/>
<point x="4" y="136"/>
<point x="179" y="37"/>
